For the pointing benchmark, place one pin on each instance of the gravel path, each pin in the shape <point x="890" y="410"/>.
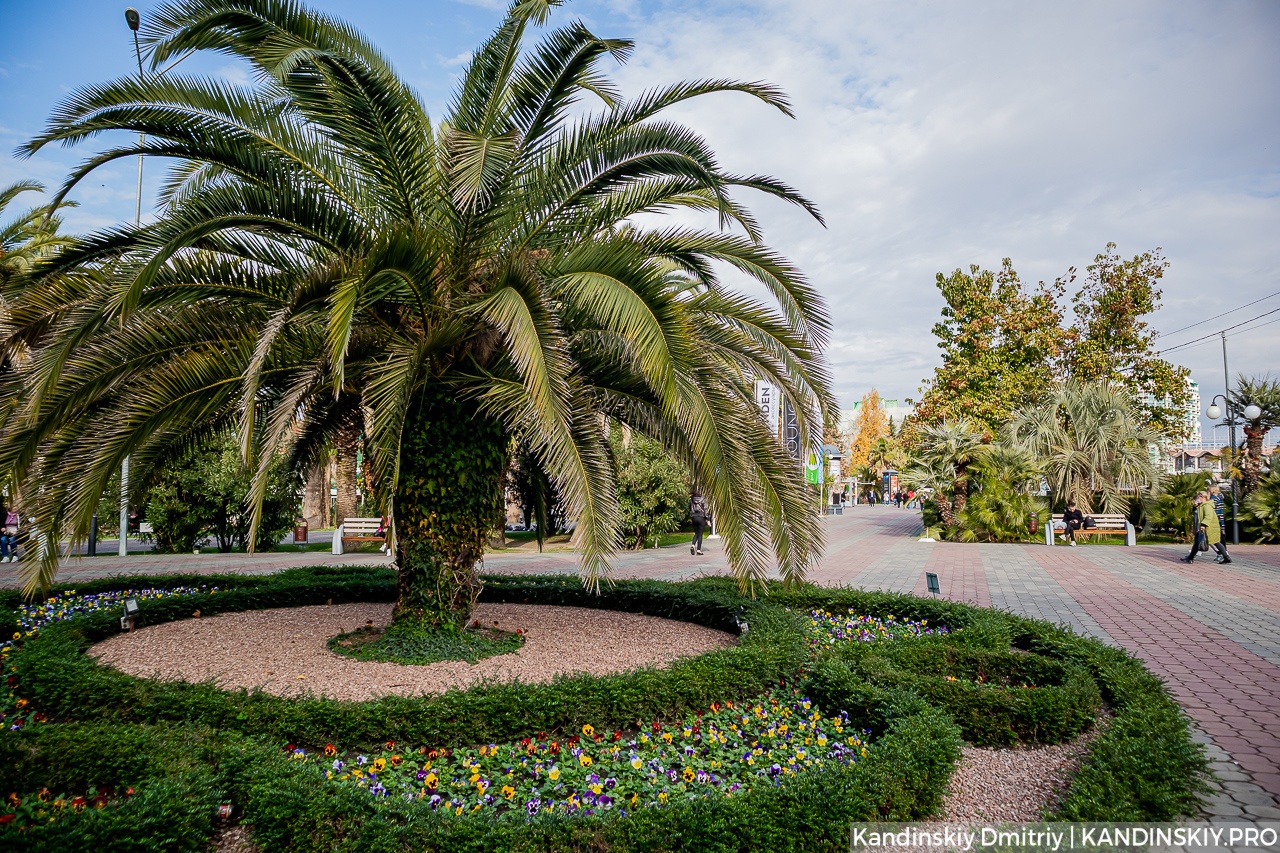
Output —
<point x="284" y="651"/>
<point x="1014" y="785"/>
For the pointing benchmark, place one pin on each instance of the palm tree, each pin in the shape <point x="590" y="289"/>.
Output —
<point x="1090" y="442"/>
<point x="882" y="454"/>
<point x="953" y="444"/>
<point x="1263" y="392"/>
<point x="936" y="478"/>
<point x="323" y="247"/>
<point x="28" y="236"/>
<point x="1002" y="507"/>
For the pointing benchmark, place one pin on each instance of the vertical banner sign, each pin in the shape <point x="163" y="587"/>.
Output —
<point x="767" y="400"/>
<point x="813" y="467"/>
<point x="791" y="431"/>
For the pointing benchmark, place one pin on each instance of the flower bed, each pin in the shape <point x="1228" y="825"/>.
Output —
<point x="718" y="753"/>
<point x="188" y="747"/>
<point x="28" y="618"/>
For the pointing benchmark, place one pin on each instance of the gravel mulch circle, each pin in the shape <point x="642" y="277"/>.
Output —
<point x="284" y="651"/>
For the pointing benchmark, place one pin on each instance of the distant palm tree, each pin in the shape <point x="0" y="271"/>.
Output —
<point x="934" y="478"/>
<point x="28" y="236"/>
<point x="1091" y="444"/>
<point x="882" y="454"/>
<point x="324" y="248"/>
<point x="1263" y="392"/>
<point x="953" y="444"/>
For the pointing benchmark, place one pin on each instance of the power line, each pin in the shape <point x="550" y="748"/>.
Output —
<point x="1223" y="314"/>
<point x="1222" y="331"/>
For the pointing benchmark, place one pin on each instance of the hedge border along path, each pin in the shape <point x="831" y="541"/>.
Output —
<point x="1143" y="767"/>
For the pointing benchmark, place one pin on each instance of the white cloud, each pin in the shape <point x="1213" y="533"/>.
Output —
<point x="454" y="61"/>
<point x="938" y="135"/>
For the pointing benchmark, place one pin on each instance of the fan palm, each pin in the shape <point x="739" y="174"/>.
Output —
<point x="1091" y="444"/>
<point x="324" y="249"/>
<point x="882" y="454"/>
<point x="955" y="444"/>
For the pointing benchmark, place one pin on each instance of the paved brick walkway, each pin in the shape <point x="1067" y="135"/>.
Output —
<point x="1212" y="632"/>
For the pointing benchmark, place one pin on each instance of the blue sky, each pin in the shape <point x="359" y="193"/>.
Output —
<point x="932" y="135"/>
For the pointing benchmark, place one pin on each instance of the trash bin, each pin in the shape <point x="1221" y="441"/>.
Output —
<point x="300" y="532"/>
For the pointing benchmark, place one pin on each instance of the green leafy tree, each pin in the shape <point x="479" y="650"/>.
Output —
<point x="653" y="489"/>
<point x="1092" y="444"/>
<point x="998" y="338"/>
<point x="324" y="247"/>
<point x="206" y="493"/>
<point x="1263" y="392"/>
<point x="1111" y="342"/>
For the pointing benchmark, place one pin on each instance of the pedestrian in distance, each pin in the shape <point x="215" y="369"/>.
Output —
<point x="701" y="514"/>
<point x="8" y="534"/>
<point x="1219" y="507"/>
<point x="1208" y="532"/>
<point x="1073" y="518"/>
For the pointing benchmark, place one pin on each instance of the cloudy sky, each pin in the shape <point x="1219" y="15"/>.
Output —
<point x="933" y="135"/>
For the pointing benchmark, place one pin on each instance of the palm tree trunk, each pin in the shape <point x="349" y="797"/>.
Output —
<point x="315" y="496"/>
<point x="1251" y="467"/>
<point x="346" y="445"/>
<point x="448" y="500"/>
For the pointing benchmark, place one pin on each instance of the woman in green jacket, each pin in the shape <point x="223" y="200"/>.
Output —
<point x="1207" y="524"/>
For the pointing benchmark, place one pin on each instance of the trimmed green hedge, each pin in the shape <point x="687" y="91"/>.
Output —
<point x="182" y="773"/>
<point x="1000" y="698"/>
<point x="68" y="685"/>
<point x="187" y="747"/>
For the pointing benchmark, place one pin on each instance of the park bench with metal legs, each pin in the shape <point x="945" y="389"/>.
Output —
<point x="357" y="530"/>
<point x="1107" y="525"/>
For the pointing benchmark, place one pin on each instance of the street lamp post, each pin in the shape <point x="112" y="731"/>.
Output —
<point x="134" y="20"/>
<point x="1214" y="412"/>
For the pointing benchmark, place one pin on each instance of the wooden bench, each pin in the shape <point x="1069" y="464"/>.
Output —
<point x="357" y="530"/>
<point x="1107" y="525"/>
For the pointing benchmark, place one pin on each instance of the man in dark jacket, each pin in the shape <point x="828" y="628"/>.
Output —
<point x="1073" y="518"/>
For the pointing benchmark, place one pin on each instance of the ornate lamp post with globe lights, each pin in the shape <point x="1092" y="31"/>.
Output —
<point x="1251" y="412"/>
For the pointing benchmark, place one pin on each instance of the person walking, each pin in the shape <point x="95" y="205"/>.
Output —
<point x="701" y="514"/>
<point x="1219" y="507"/>
<point x="1214" y="523"/>
<point x="8" y="534"/>
<point x="1073" y="518"/>
<point x="1208" y="532"/>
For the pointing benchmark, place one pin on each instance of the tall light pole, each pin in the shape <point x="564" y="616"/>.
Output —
<point x="134" y="20"/>
<point x="1214" y="412"/>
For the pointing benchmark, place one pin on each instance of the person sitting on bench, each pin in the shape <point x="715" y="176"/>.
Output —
<point x="1074" y="520"/>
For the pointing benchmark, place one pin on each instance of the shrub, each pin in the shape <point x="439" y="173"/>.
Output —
<point x="998" y="698"/>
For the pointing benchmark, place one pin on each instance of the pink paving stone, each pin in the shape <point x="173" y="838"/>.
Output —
<point x="1224" y="578"/>
<point x="842" y="564"/>
<point x="961" y="575"/>
<point x="1207" y="694"/>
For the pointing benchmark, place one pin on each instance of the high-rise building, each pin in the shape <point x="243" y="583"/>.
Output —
<point x="1195" y="435"/>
